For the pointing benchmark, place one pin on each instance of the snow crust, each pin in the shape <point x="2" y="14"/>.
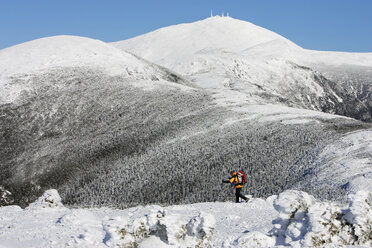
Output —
<point x="292" y="218"/>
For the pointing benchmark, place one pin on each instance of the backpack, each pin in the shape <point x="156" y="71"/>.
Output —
<point x="242" y="178"/>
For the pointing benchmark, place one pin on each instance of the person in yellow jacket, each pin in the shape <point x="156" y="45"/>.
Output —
<point x="238" y="186"/>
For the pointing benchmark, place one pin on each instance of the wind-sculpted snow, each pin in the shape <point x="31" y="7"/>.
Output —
<point x="291" y="219"/>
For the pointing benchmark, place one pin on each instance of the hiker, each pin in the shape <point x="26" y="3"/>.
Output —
<point x="238" y="179"/>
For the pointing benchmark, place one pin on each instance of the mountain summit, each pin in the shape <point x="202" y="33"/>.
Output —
<point x="168" y="45"/>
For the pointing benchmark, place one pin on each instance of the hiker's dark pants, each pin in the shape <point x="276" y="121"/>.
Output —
<point x="239" y="194"/>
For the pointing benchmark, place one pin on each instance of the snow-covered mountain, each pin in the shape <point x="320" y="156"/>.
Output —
<point x="223" y="54"/>
<point x="68" y="102"/>
<point x="87" y="118"/>
<point x="175" y="45"/>
<point x="40" y="56"/>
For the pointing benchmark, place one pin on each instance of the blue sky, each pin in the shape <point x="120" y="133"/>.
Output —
<point x="334" y="25"/>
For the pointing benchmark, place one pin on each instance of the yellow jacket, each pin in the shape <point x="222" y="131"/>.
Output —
<point x="234" y="179"/>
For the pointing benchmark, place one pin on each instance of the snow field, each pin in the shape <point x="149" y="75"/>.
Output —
<point x="293" y="218"/>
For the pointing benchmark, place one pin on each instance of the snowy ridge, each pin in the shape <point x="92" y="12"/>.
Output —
<point x="58" y="52"/>
<point x="311" y="57"/>
<point x="292" y="218"/>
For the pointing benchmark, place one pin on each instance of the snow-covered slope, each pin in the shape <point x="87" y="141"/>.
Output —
<point x="222" y="54"/>
<point x="291" y="219"/>
<point x="57" y="51"/>
<point x="39" y="56"/>
<point x="65" y="97"/>
<point x="345" y="164"/>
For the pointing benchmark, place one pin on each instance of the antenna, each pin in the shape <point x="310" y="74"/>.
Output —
<point x="211" y="12"/>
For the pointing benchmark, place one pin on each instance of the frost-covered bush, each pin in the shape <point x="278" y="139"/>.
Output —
<point x="306" y="222"/>
<point x="359" y="215"/>
<point x="255" y="239"/>
<point x="50" y="199"/>
<point x="174" y="230"/>
<point x="6" y="197"/>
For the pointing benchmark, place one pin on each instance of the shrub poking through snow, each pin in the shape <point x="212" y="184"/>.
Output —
<point x="201" y="228"/>
<point x="359" y="214"/>
<point x="174" y="230"/>
<point x="303" y="221"/>
<point x="255" y="239"/>
<point x="50" y="199"/>
<point x="6" y="197"/>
